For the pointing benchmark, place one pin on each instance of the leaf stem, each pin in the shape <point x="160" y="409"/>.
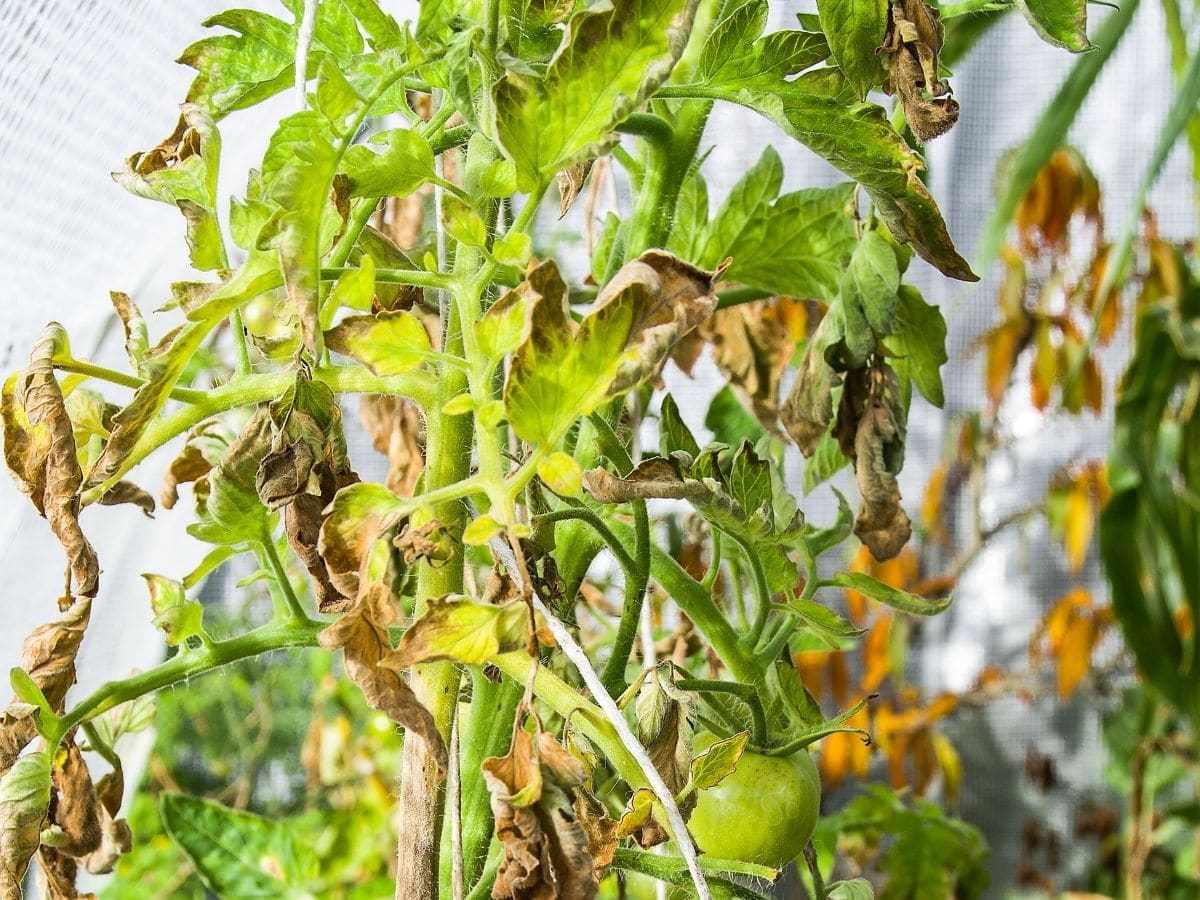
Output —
<point x="744" y="692"/>
<point x="82" y="367"/>
<point x="414" y="277"/>
<point x="291" y="603"/>
<point x="583" y="514"/>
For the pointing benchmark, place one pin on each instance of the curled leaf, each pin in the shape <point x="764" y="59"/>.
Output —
<point x="910" y="55"/>
<point x="397" y="430"/>
<point x="881" y="523"/>
<point x="24" y="799"/>
<point x="39" y="448"/>
<point x="536" y="791"/>
<point x="361" y="633"/>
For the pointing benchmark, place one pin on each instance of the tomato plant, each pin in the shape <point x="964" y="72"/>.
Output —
<point x="388" y="246"/>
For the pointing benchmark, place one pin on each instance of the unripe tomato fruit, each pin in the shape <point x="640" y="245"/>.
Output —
<point x="764" y="812"/>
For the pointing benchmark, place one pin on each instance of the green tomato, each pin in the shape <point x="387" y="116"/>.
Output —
<point x="764" y="812"/>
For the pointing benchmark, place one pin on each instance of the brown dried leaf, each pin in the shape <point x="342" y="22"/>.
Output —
<point x="362" y="635"/>
<point x="547" y="850"/>
<point x="137" y="341"/>
<point x="58" y="873"/>
<point x="75" y="810"/>
<point x="910" y="55"/>
<point x="808" y="408"/>
<point x="128" y="492"/>
<point x="657" y="477"/>
<point x="48" y="657"/>
<point x="205" y="444"/>
<point x="752" y="346"/>
<point x="39" y="448"/>
<point x="397" y="430"/>
<point x="881" y="523"/>
<point x="570" y="183"/>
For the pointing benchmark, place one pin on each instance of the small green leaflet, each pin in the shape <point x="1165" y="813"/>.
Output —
<point x="405" y="164"/>
<point x="712" y="766"/>
<point x="917" y="344"/>
<point x="737" y="52"/>
<point x="178" y="617"/>
<point x="390" y="343"/>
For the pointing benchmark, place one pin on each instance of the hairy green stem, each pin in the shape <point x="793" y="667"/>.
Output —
<point x="91" y="370"/>
<point x="744" y="692"/>
<point x="583" y="514"/>
<point x="414" y="277"/>
<point x="287" y="601"/>
<point x="193" y="662"/>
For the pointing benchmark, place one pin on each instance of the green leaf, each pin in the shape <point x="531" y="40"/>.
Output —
<point x="825" y="621"/>
<point x="561" y="371"/>
<point x="871" y="282"/>
<point x="238" y="70"/>
<point x="611" y="60"/>
<point x="405" y="164"/>
<point x="178" y="617"/>
<point x="855" y="29"/>
<point x="464" y="631"/>
<point x="237" y="854"/>
<point x="129" y="717"/>
<point x="388" y="343"/>
<point x="500" y="330"/>
<point x="1050" y="132"/>
<point x="463" y="223"/>
<point x="890" y="596"/>
<point x="797" y="245"/>
<point x="561" y="473"/>
<point x="855" y="889"/>
<point x="737" y="54"/>
<point x="673" y="433"/>
<point x="514" y="249"/>
<point x="747" y="202"/>
<point x="730" y="421"/>
<point x="712" y="766"/>
<point x="1062" y="23"/>
<point x="24" y="801"/>
<point x="825" y="462"/>
<point x="381" y="29"/>
<point x="354" y="288"/>
<point x="917" y="344"/>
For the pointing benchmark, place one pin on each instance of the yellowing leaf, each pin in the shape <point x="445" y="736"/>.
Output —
<point x="392" y="342"/>
<point x="464" y="631"/>
<point x="481" y="531"/>
<point x="1078" y="523"/>
<point x="562" y="474"/>
<point x="712" y="766"/>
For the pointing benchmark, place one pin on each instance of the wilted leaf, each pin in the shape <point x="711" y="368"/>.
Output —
<point x="397" y="430"/>
<point x="39" y="448"/>
<point x="459" y="629"/>
<point x="910" y="54"/>
<point x="535" y="790"/>
<point x="881" y="523"/>
<point x="231" y="511"/>
<point x="177" y="616"/>
<point x="361" y="633"/>
<point x="48" y="657"/>
<point x="360" y="521"/>
<point x="201" y="452"/>
<point x="137" y="342"/>
<point x="24" y="799"/>
<point x="917" y="344"/>
<point x="570" y="183"/>
<point x="665" y="728"/>
<point x="890" y="596"/>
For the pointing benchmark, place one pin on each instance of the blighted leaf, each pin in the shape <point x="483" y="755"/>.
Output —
<point x="137" y="342"/>
<point x="917" y="344"/>
<point x="361" y="633"/>
<point x="232" y="512"/>
<point x="24" y="799"/>
<point x="397" y="430"/>
<point x="561" y="371"/>
<point x="1062" y="23"/>
<point x="752" y="345"/>
<point x="48" y="658"/>
<point x="664" y="724"/>
<point x="808" y="409"/>
<point x="712" y="766"/>
<point x="890" y="596"/>
<point x="389" y="343"/>
<point x="178" y="617"/>
<point x="360" y="522"/>
<point x="459" y="629"/>
<point x="182" y="171"/>
<point x="535" y="790"/>
<point x="910" y="54"/>
<point x="611" y="60"/>
<point x="201" y="452"/>
<point x="238" y="70"/>
<point x="75" y="818"/>
<point x="39" y="448"/>
<point x="855" y="29"/>
<point x="570" y="183"/>
<point x="881" y="523"/>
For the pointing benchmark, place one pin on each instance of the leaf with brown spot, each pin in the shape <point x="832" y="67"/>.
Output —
<point x="535" y="794"/>
<point x="910" y="55"/>
<point x="362" y="634"/>
<point x="361" y="523"/>
<point x="39" y="448"/>
<point x="48" y="657"/>
<point x="24" y="800"/>
<point x="459" y="629"/>
<point x="201" y="452"/>
<point x="397" y="430"/>
<point x="808" y="409"/>
<point x="74" y="816"/>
